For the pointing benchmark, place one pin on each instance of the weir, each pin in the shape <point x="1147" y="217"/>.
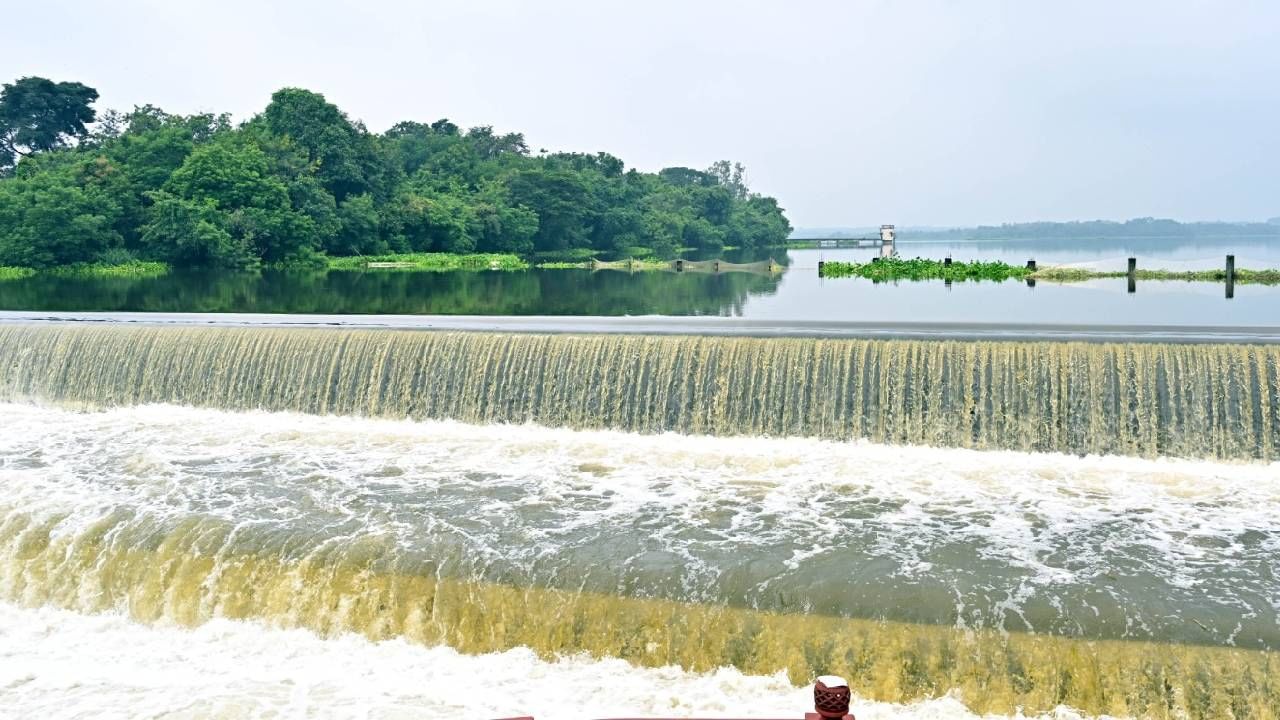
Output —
<point x="1142" y="399"/>
<point x="192" y="571"/>
<point x="1148" y="587"/>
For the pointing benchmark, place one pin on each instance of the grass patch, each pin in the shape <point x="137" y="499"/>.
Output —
<point x="885" y="269"/>
<point x="130" y="269"/>
<point x="15" y="273"/>
<point x="429" y="261"/>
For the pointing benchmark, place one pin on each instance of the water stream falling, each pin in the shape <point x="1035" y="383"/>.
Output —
<point x="254" y="483"/>
<point x="1130" y="399"/>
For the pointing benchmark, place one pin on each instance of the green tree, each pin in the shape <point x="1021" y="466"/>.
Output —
<point x="62" y="215"/>
<point x="500" y="226"/>
<point x="359" y="228"/>
<point x="685" y="177"/>
<point x="490" y="146"/>
<point x="249" y="204"/>
<point x="425" y="220"/>
<point x="347" y="159"/>
<point x="732" y="177"/>
<point x="561" y="200"/>
<point x="37" y="115"/>
<point x="193" y="233"/>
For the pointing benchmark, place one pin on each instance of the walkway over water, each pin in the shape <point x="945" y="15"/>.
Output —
<point x="661" y="325"/>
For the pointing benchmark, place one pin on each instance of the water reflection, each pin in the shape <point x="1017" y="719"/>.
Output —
<point x="796" y="293"/>
<point x="534" y="292"/>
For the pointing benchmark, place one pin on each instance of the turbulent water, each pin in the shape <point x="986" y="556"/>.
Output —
<point x="230" y="522"/>
<point x="915" y="573"/>
<point x="61" y="664"/>
<point x="1220" y="401"/>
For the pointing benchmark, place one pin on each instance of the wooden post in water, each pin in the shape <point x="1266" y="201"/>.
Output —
<point x="1132" y="274"/>
<point x="1231" y="276"/>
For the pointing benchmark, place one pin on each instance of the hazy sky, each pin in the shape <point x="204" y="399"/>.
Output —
<point x="913" y="112"/>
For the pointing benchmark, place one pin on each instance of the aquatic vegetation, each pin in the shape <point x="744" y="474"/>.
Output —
<point x="429" y="261"/>
<point x="884" y="269"/>
<point x="1260" y="277"/>
<point x="130" y="269"/>
<point x="15" y="273"/>
<point x="1243" y="276"/>
<point x="888" y="269"/>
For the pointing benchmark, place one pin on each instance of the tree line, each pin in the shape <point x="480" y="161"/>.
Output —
<point x="302" y="180"/>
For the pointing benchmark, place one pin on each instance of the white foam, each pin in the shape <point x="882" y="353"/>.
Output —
<point x="56" y="664"/>
<point x="995" y="533"/>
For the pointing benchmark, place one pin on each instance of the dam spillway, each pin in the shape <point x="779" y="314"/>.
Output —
<point x="1143" y="399"/>
<point x="677" y="502"/>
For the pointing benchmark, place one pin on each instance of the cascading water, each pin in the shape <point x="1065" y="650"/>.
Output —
<point x="1218" y="401"/>
<point x="1015" y="579"/>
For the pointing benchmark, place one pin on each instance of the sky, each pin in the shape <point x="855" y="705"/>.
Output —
<point x="851" y="113"/>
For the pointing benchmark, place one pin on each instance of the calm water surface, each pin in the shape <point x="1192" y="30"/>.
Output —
<point x="795" y="294"/>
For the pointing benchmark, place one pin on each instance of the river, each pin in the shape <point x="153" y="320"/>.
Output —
<point x="795" y="294"/>
<point x="315" y="514"/>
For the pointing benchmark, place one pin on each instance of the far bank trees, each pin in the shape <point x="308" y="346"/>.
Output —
<point x="301" y="179"/>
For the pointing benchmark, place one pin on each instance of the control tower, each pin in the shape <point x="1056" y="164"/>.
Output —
<point x="887" y="237"/>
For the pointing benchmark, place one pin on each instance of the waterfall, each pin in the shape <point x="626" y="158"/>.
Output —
<point x="1210" y="401"/>
<point x="1021" y="578"/>
<point x="192" y="571"/>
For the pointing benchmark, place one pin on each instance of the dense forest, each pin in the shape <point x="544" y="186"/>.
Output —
<point x="302" y="180"/>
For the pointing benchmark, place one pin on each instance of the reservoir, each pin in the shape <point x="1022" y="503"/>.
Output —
<point x="794" y="294"/>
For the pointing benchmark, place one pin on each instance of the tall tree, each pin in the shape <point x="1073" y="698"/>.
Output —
<point x="38" y="114"/>
<point x="225" y="196"/>
<point x="346" y="157"/>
